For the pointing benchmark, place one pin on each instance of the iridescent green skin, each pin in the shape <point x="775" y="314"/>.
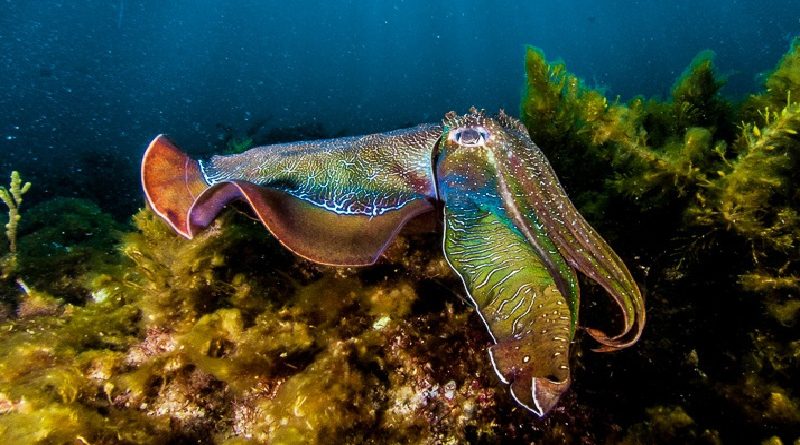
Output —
<point x="510" y="231"/>
<point x="516" y="240"/>
<point x="357" y="175"/>
<point x="523" y="288"/>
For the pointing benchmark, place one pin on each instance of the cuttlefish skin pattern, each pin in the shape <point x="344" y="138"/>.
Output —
<point x="510" y="231"/>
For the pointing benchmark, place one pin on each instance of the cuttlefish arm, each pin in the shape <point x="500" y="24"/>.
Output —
<point x="515" y="246"/>
<point x="336" y="201"/>
<point x="520" y="284"/>
<point x="518" y="298"/>
<point x="538" y="192"/>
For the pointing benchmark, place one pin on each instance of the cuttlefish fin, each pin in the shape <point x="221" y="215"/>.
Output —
<point x="177" y="191"/>
<point x="171" y="181"/>
<point x="310" y="231"/>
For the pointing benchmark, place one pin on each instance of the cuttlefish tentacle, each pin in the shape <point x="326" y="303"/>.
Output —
<point x="540" y="193"/>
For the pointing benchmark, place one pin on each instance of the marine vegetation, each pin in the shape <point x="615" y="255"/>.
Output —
<point x="12" y="197"/>
<point x="708" y="193"/>
<point x="230" y="338"/>
<point x="510" y="232"/>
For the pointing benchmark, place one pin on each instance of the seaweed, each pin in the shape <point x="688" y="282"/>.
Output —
<point x="229" y="339"/>
<point x="64" y="242"/>
<point x="707" y="188"/>
<point x="12" y="197"/>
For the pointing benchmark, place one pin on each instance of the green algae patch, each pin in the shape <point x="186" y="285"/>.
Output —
<point x="685" y="156"/>
<point x="228" y="338"/>
<point x="668" y="424"/>
<point x="54" y="368"/>
<point x="699" y="194"/>
<point x="62" y="242"/>
<point x="331" y="398"/>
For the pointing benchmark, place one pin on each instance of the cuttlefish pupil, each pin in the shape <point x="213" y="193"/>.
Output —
<point x="469" y="136"/>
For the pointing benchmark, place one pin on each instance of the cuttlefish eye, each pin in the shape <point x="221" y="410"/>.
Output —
<point x="470" y="136"/>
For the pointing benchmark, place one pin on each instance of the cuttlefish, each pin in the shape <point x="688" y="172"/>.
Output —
<point x="510" y="231"/>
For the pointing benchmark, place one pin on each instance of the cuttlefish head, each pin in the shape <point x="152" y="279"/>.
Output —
<point x="464" y="153"/>
<point x="471" y="136"/>
<point x="470" y="144"/>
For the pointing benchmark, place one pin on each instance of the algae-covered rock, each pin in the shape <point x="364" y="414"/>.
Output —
<point x="669" y="425"/>
<point x="298" y="353"/>
<point x="229" y="338"/>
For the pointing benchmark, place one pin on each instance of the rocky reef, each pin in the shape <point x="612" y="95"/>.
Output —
<point x="131" y="334"/>
<point x="231" y="339"/>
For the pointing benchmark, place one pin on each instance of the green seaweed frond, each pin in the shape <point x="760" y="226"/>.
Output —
<point x="695" y="96"/>
<point x="12" y="197"/>
<point x="682" y="162"/>
<point x="784" y="81"/>
<point x="754" y="192"/>
<point x="552" y="93"/>
<point x="643" y="148"/>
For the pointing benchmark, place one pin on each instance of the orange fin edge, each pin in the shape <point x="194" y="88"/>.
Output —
<point x="171" y="181"/>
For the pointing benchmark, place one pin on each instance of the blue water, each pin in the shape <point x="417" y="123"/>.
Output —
<point x="84" y="85"/>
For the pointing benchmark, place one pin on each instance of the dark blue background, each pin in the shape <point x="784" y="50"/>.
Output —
<point x="84" y="85"/>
